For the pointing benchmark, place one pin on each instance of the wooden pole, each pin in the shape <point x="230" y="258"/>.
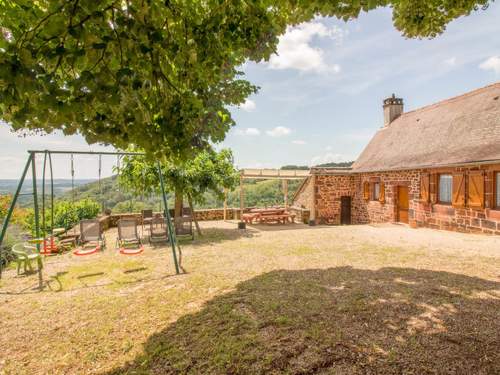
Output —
<point x="313" y="198"/>
<point x="225" y="204"/>
<point x="285" y="193"/>
<point x="242" y="198"/>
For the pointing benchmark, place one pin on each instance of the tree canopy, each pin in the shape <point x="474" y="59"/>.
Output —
<point x="158" y="73"/>
<point x="207" y="171"/>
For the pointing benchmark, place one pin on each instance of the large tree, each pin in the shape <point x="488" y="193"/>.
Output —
<point x="158" y="73"/>
<point x="207" y="171"/>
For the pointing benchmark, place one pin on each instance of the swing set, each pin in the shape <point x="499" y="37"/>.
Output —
<point x="47" y="245"/>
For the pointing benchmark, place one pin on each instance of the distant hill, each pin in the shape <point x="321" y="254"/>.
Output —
<point x="9" y="186"/>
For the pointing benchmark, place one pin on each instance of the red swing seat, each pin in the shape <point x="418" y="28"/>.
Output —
<point x="87" y="251"/>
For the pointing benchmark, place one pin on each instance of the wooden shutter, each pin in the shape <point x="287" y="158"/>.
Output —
<point x="433" y="187"/>
<point x="381" y="197"/>
<point x="458" y="190"/>
<point x="366" y="190"/>
<point x="424" y="187"/>
<point x="475" y="197"/>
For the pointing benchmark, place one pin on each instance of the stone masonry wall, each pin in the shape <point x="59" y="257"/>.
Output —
<point x="304" y="196"/>
<point x="328" y="191"/>
<point x="330" y="188"/>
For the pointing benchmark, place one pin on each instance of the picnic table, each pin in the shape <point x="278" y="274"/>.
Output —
<point x="268" y="215"/>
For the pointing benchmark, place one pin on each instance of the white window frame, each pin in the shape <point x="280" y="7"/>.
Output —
<point x="375" y="191"/>
<point x="449" y="176"/>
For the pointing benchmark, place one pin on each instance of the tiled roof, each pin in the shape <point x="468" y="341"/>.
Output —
<point x="460" y="130"/>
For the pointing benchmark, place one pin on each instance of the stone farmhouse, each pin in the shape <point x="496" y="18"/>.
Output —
<point x="437" y="166"/>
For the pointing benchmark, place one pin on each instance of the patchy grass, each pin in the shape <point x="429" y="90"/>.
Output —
<point x="346" y="300"/>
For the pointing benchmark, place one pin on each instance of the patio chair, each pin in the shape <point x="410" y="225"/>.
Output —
<point x="147" y="216"/>
<point x="128" y="237"/>
<point x="184" y="226"/>
<point x="158" y="231"/>
<point x="24" y="255"/>
<point x="91" y="238"/>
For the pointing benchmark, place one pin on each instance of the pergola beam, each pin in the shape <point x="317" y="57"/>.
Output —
<point x="278" y="174"/>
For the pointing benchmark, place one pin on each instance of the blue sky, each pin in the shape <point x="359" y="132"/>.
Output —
<point x="321" y="97"/>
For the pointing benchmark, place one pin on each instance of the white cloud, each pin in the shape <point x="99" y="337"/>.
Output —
<point x="299" y="142"/>
<point x="279" y="131"/>
<point x="327" y="158"/>
<point x="295" y="52"/>
<point x="248" y="106"/>
<point x="493" y="63"/>
<point x="249" y="131"/>
<point x="452" y="61"/>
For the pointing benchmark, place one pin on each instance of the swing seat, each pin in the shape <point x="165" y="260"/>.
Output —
<point x="82" y="251"/>
<point x="131" y="251"/>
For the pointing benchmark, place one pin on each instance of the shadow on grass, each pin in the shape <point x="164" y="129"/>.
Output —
<point x="336" y="321"/>
<point x="213" y="235"/>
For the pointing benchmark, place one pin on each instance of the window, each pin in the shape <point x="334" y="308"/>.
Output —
<point x="376" y="191"/>
<point x="445" y="188"/>
<point x="497" y="189"/>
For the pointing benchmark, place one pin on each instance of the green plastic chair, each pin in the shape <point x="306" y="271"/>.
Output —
<point x="24" y="255"/>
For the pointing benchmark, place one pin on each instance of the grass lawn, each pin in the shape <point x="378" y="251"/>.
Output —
<point x="270" y="300"/>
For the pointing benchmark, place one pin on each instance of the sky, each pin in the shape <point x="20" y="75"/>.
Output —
<point x="320" y="97"/>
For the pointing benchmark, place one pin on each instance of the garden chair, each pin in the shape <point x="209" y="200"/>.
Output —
<point x="184" y="226"/>
<point x="24" y="255"/>
<point x="128" y="236"/>
<point x="91" y="238"/>
<point x="158" y="231"/>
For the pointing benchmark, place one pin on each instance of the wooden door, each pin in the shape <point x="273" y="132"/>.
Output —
<point x="345" y="210"/>
<point x="403" y="204"/>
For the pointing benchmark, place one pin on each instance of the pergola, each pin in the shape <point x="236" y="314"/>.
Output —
<point x="269" y="174"/>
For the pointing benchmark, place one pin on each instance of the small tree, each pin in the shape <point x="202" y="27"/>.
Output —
<point x="207" y="171"/>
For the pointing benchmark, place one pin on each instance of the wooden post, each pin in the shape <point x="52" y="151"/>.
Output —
<point x="242" y="198"/>
<point x="313" y="198"/>
<point x="285" y="193"/>
<point x="225" y="204"/>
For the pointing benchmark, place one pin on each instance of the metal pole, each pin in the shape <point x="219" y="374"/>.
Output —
<point x="171" y="233"/>
<point x="43" y="193"/>
<point x="11" y="208"/>
<point x="37" y="223"/>
<point x="51" y="196"/>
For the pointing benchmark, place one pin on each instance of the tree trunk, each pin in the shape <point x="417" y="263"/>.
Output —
<point x="177" y="208"/>
<point x="198" y="229"/>
<point x="178" y="204"/>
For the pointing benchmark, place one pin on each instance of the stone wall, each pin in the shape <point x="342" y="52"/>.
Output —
<point x="328" y="191"/>
<point x="330" y="188"/>
<point x="303" y="198"/>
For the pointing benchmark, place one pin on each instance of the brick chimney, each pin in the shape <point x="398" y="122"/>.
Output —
<point x="393" y="108"/>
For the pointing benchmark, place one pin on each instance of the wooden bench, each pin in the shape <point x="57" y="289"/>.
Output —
<point x="249" y="218"/>
<point x="281" y="218"/>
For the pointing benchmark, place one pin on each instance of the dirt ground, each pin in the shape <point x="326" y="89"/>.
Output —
<point x="277" y="299"/>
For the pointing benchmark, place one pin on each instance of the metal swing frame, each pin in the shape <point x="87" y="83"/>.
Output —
<point x="47" y="155"/>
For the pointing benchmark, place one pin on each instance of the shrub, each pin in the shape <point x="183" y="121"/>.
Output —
<point x="66" y="214"/>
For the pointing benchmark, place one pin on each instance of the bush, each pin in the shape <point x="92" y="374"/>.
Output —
<point x="66" y="214"/>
